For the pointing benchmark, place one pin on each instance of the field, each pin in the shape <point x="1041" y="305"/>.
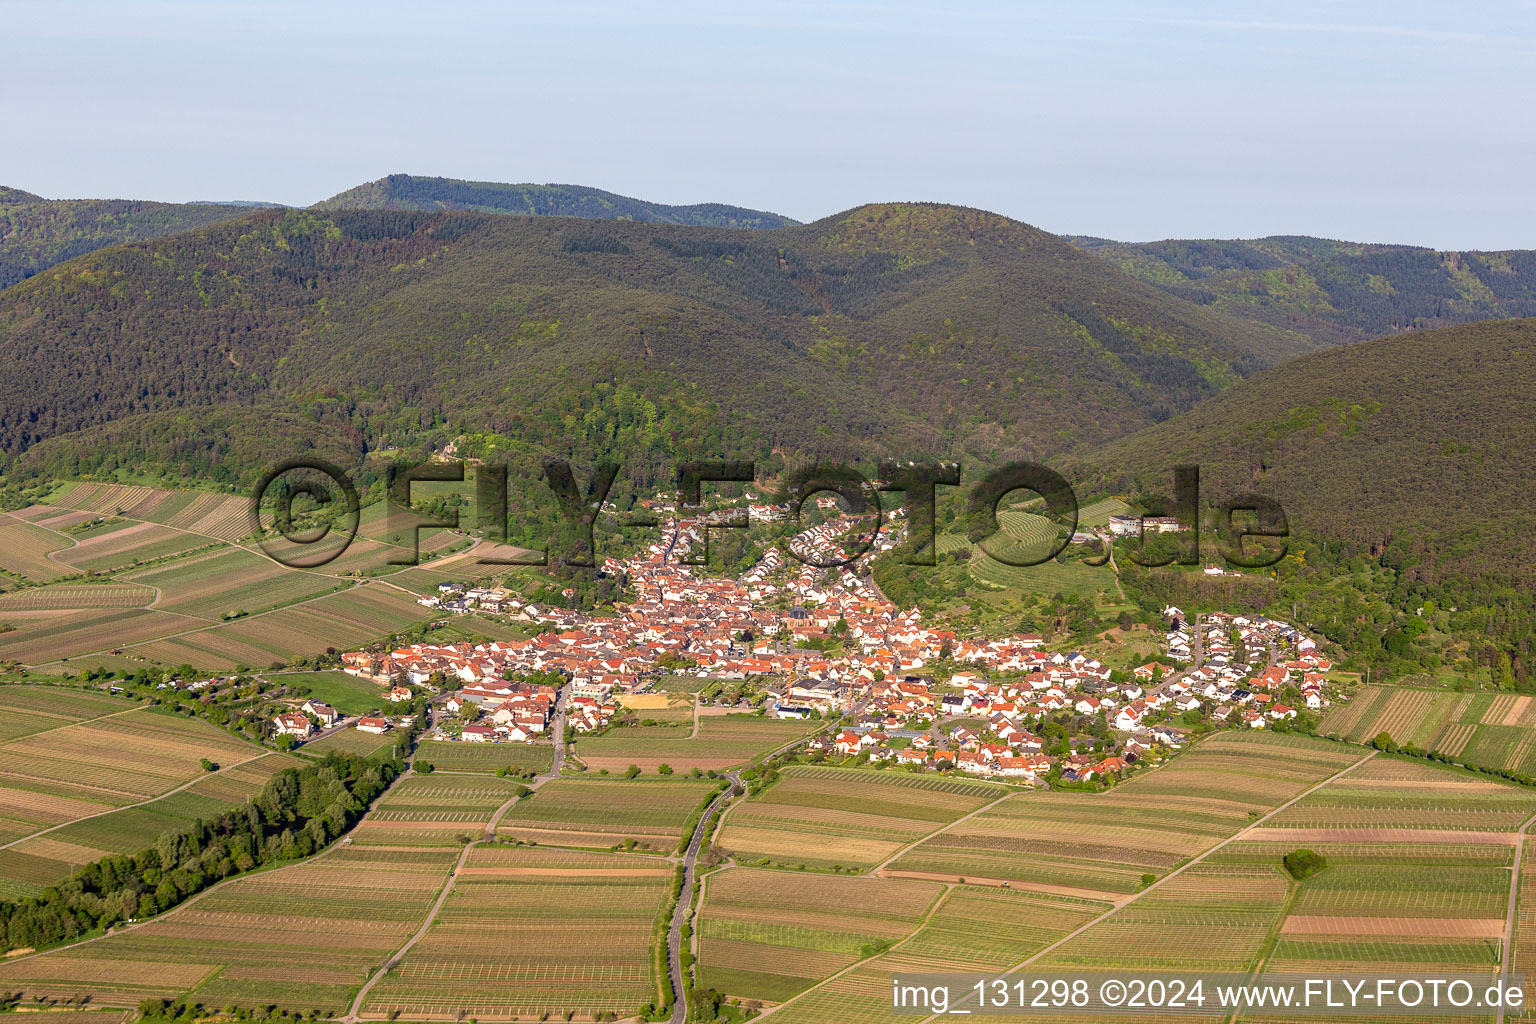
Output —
<point x="458" y="756"/>
<point x="724" y="741"/>
<point x="301" y="938"/>
<point x="29" y="865"/>
<point x="215" y="583"/>
<point x="530" y="932"/>
<point x="68" y="755"/>
<point x="348" y="741"/>
<point x="1408" y="795"/>
<point x="342" y="620"/>
<point x="77" y="595"/>
<point x="1025" y="534"/>
<point x="434" y="810"/>
<point x="1102" y="843"/>
<point x="127" y="544"/>
<point x="220" y="516"/>
<point x="41" y="637"/>
<point x="848" y="819"/>
<point x="768" y="934"/>
<point x="24" y="551"/>
<point x="1491" y="730"/>
<point x="602" y="812"/>
<point x="346" y="693"/>
<point x="972" y="930"/>
<point x="1398" y="895"/>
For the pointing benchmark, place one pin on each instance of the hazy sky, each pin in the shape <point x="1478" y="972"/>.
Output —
<point x="1402" y="122"/>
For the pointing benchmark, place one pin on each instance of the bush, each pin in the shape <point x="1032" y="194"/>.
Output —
<point x="1303" y="863"/>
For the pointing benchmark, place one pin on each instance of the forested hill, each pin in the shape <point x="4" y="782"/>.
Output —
<point x="36" y="233"/>
<point x="921" y="329"/>
<point x="1333" y="291"/>
<point x="411" y="192"/>
<point x="1418" y="446"/>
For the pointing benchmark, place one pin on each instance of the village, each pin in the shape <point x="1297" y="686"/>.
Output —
<point x="824" y="643"/>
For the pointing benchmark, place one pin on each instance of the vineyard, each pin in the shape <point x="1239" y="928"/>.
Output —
<point x="1026" y="536"/>
<point x="24" y="550"/>
<point x="434" y="810"/>
<point x="768" y="934"/>
<point x="83" y="755"/>
<point x="724" y="741"/>
<point x="1063" y="841"/>
<point x="575" y="936"/>
<point x="458" y="756"/>
<point x="221" y="516"/>
<point x="601" y="813"/>
<point x="210" y="584"/>
<point x="972" y="930"/>
<point x="129" y="544"/>
<point x="29" y="865"/>
<point x="301" y="938"/>
<point x="852" y="820"/>
<point x="1485" y="729"/>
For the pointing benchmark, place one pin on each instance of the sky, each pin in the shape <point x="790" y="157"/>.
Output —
<point x="1407" y="122"/>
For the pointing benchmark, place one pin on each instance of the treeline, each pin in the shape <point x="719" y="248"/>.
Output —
<point x="298" y="812"/>
<point x="1336" y="291"/>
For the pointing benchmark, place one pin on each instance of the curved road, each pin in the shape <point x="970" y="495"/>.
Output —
<point x="685" y="899"/>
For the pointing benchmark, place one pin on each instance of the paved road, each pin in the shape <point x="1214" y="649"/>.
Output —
<point x="685" y="901"/>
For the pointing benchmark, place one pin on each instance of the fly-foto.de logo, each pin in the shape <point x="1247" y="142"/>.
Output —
<point x="331" y="511"/>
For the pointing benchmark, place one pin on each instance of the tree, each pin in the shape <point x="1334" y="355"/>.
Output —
<point x="1303" y="863"/>
<point x="632" y="771"/>
<point x="664" y="769"/>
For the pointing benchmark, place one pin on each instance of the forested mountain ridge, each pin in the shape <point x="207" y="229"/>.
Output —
<point x="37" y="233"/>
<point x="1419" y="445"/>
<point x="897" y="329"/>
<point x="1334" y="291"/>
<point x="414" y="192"/>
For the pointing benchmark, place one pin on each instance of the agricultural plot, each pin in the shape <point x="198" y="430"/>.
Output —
<point x="434" y="810"/>
<point x="41" y="637"/>
<point x="522" y="934"/>
<point x="221" y="582"/>
<point x="602" y="813"/>
<point x="1392" y="794"/>
<point x="130" y="756"/>
<point x="129" y="544"/>
<point x="1484" y="729"/>
<point x="458" y="756"/>
<point x="1098" y="513"/>
<point x="671" y="709"/>
<point x="342" y="620"/>
<point x="348" y="741"/>
<point x="724" y="741"/>
<point x="1102" y="843"/>
<point x="1406" y="895"/>
<point x="767" y="934"/>
<point x="1026" y="536"/>
<point x="66" y="596"/>
<point x="851" y="819"/>
<point x="24" y="550"/>
<point x="342" y="691"/>
<point x="221" y="516"/>
<point x="301" y="938"/>
<point x="972" y="930"/>
<point x="29" y="865"/>
<point x="1213" y="917"/>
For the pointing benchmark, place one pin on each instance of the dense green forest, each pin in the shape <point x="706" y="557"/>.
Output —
<point x="37" y="233"/>
<point x="1334" y="291"/>
<point x="904" y="329"/>
<point x="1404" y="467"/>
<point x="413" y="192"/>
